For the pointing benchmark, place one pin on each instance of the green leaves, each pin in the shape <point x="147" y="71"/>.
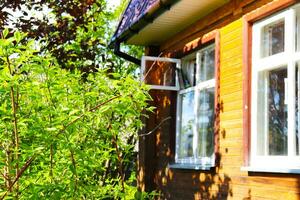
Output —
<point x="17" y="36"/>
<point x="5" y="33"/>
<point x="81" y="131"/>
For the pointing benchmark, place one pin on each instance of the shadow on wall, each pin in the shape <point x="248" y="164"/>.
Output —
<point x="158" y="150"/>
<point x="191" y="184"/>
<point x="218" y="187"/>
<point x="154" y="144"/>
<point x="298" y="188"/>
<point x="185" y="183"/>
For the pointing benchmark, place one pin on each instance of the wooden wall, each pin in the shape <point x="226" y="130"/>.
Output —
<point x="226" y="181"/>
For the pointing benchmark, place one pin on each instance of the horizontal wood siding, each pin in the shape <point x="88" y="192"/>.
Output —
<point x="231" y="101"/>
<point x="226" y="181"/>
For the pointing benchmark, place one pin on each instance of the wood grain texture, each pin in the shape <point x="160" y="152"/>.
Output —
<point x="226" y="180"/>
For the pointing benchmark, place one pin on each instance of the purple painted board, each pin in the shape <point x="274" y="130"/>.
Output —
<point x="135" y="10"/>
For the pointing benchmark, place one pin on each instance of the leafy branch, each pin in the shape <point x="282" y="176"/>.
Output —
<point x="18" y="176"/>
<point x="27" y="164"/>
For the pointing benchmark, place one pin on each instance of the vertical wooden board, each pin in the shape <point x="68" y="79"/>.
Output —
<point x="230" y="45"/>
<point x="231" y="85"/>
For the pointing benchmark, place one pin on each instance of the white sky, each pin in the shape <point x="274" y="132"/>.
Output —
<point x="46" y="12"/>
<point x="113" y="3"/>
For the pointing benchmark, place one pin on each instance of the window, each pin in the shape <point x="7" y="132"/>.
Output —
<point x="193" y="79"/>
<point x="196" y="109"/>
<point x="160" y="73"/>
<point x="275" y="85"/>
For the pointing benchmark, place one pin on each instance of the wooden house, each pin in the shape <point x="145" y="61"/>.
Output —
<point x="225" y="78"/>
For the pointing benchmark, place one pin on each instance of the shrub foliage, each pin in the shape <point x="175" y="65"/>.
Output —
<point x="63" y="136"/>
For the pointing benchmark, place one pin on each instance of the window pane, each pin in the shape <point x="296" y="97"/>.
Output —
<point x="160" y="73"/>
<point x="277" y="112"/>
<point x="297" y="29"/>
<point x="206" y="123"/>
<point x="207" y="64"/>
<point x="187" y="122"/>
<point x="297" y="109"/>
<point x="273" y="38"/>
<point x="272" y="113"/>
<point x="188" y="73"/>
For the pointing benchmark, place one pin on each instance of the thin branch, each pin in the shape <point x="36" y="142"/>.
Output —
<point x="29" y="185"/>
<point x="48" y="86"/>
<point x="120" y="162"/>
<point x="83" y="114"/>
<point x="7" y="167"/>
<point x="75" y="169"/>
<point x="28" y="163"/>
<point x="20" y="173"/>
<point x="4" y="176"/>
<point x="15" y="122"/>
<point x="118" y="152"/>
<point x="156" y="127"/>
<point x="150" y="68"/>
<point x="51" y="162"/>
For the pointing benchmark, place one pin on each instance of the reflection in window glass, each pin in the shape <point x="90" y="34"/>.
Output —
<point x="160" y="73"/>
<point x="273" y="38"/>
<point x="186" y="129"/>
<point x="275" y="90"/>
<point x="195" y="142"/>
<point x="277" y="112"/>
<point x="297" y="109"/>
<point x="206" y="122"/>
<point x="188" y="73"/>
<point x="297" y="30"/>
<point x="207" y="64"/>
<point x="272" y="118"/>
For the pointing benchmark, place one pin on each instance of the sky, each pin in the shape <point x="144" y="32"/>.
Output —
<point x="17" y="14"/>
<point x="113" y="3"/>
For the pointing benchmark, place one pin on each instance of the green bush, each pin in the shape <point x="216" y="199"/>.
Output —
<point x="64" y="136"/>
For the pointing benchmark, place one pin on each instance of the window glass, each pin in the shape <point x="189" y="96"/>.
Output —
<point x="297" y="29"/>
<point x="207" y="64"/>
<point x="273" y="38"/>
<point x="206" y="122"/>
<point x="277" y="112"/>
<point x="188" y="73"/>
<point x="195" y="130"/>
<point x="297" y="109"/>
<point x="160" y="73"/>
<point x="275" y="97"/>
<point x="187" y="121"/>
<point x="272" y="115"/>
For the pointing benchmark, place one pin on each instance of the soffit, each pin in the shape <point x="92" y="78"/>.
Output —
<point x="172" y="21"/>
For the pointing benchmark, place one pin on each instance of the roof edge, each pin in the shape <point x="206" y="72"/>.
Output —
<point x="150" y="15"/>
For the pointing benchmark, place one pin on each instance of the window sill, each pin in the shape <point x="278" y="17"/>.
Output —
<point x="271" y="170"/>
<point x="190" y="166"/>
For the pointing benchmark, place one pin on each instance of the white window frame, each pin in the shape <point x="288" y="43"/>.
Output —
<point x="203" y="161"/>
<point x="160" y="59"/>
<point x="288" y="58"/>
